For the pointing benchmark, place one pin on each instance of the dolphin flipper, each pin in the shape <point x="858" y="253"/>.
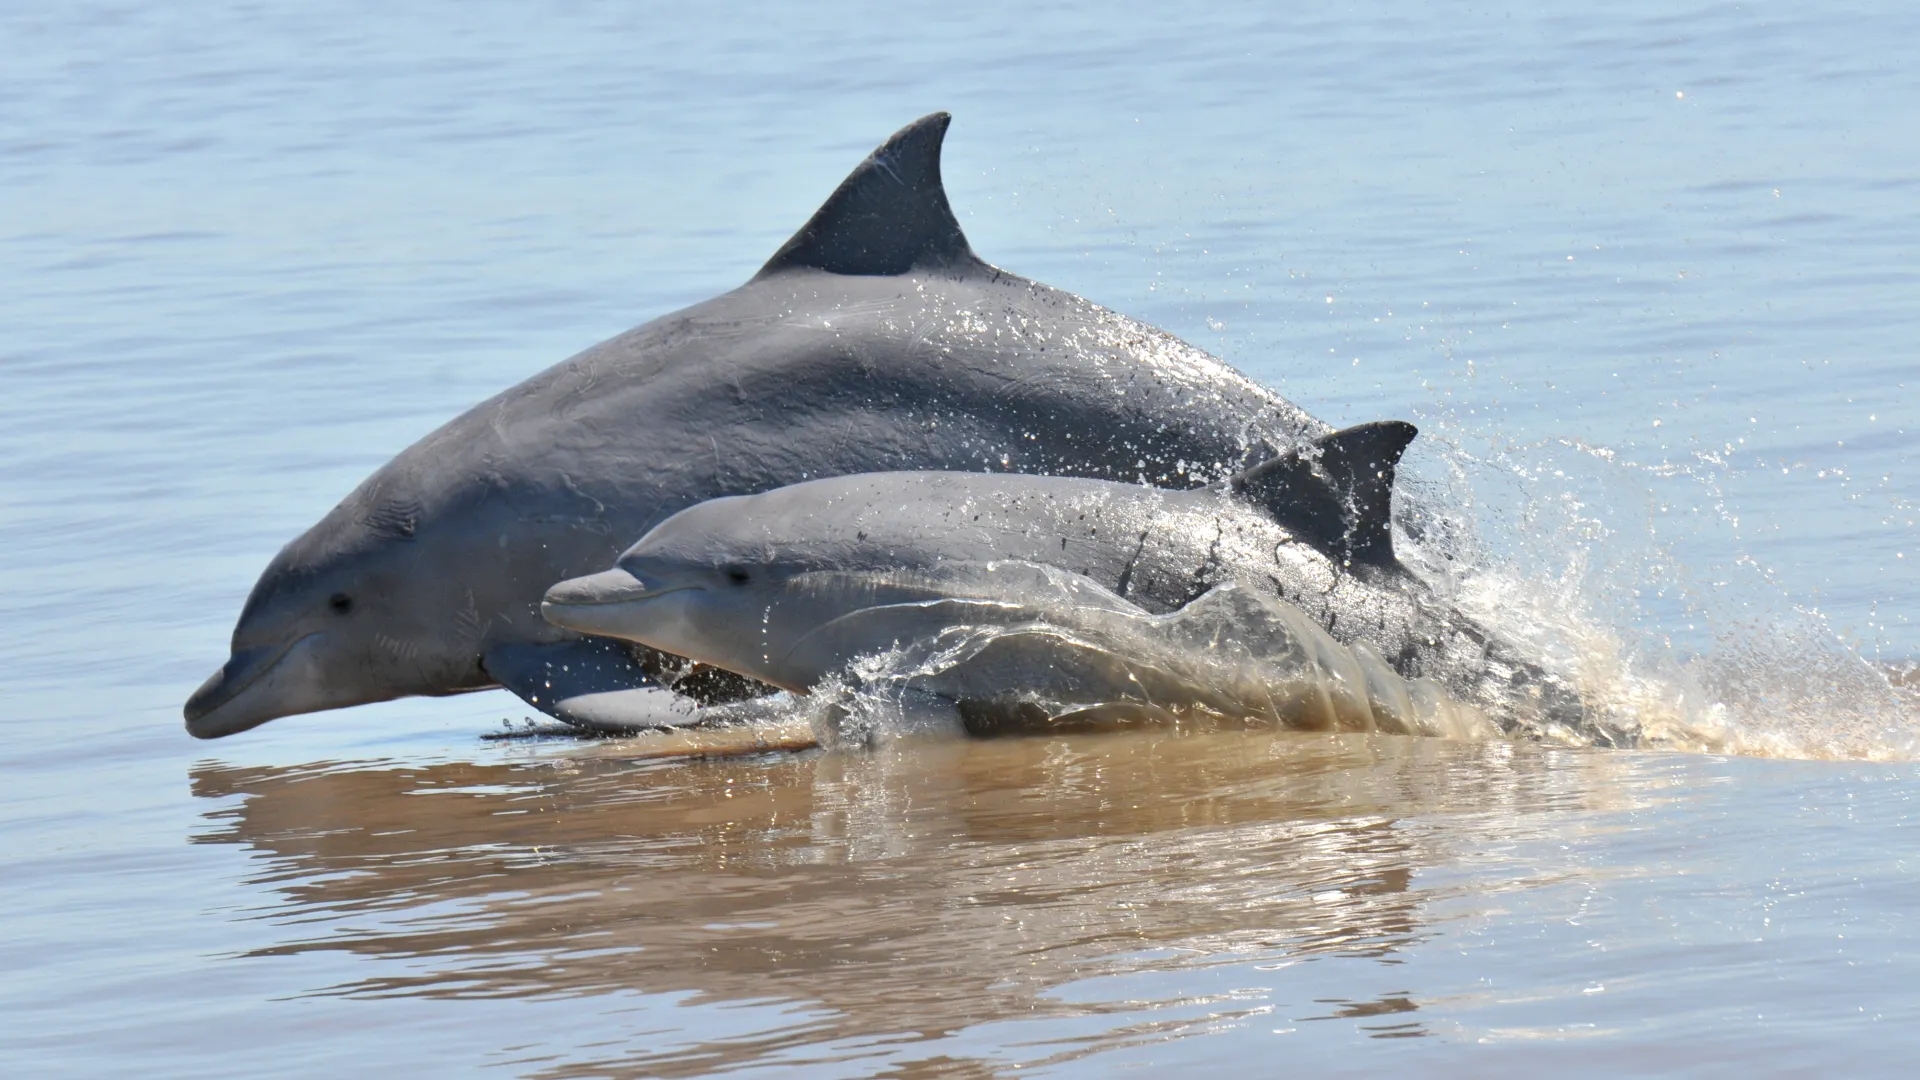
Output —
<point x="591" y="683"/>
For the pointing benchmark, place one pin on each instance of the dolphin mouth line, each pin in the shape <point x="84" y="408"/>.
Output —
<point x="259" y="672"/>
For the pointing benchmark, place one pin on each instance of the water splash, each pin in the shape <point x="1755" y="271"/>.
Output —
<point x="1015" y="647"/>
<point x="1634" y="579"/>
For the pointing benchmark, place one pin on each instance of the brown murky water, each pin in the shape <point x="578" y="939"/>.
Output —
<point x="911" y="891"/>
<point x="1098" y="900"/>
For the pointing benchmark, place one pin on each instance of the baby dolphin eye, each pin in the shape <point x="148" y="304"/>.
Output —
<point x="738" y="575"/>
<point x="340" y="602"/>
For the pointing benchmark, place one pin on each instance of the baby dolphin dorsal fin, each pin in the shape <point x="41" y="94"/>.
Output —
<point x="1336" y="492"/>
<point x="888" y="217"/>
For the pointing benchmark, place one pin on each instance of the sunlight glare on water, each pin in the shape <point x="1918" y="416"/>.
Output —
<point x="1644" y="277"/>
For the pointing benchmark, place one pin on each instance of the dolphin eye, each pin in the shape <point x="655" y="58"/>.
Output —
<point x="738" y="575"/>
<point x="340" y="602"/>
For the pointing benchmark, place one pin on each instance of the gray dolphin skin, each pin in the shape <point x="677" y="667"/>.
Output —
<point x="727" y="582"/>
<point x="874" y="339"/>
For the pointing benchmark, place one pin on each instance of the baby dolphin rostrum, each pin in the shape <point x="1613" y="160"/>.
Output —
<point x="873" y="339"/>
<point x="727" y="581"/>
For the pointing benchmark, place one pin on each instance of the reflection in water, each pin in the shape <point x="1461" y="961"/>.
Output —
<point x="907" y="893"/>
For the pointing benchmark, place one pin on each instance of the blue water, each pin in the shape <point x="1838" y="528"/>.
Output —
<point x="1645" y="277"/>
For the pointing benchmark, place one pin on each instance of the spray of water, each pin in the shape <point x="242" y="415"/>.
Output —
<point x="1633" y="578"/>
<point x="1070" y="656"/>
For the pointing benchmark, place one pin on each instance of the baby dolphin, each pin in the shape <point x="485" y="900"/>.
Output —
<point x="873" y="339"/>
<point x="1014" y="647"/>
<point x="742" y="582"/>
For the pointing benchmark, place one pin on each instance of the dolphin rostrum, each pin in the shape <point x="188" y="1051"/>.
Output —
<point x="873" y="339"/>
<point x="1310" y="528"/>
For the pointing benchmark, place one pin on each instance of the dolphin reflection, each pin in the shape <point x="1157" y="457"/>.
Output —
<point x="890" y="893"/>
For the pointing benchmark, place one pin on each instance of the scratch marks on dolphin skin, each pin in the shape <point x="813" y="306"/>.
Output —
<point x="469" y="627"/>
<point x="593" y="521"/>
<point x="1126" y="572"/>
<point x="393" y="646"/>
<point x="884" y="160"/>
<point x="394" y="517"/>
<point x="566" y="481"/>
<point x="1208" y="571"/>
<point x="586" y="378"/>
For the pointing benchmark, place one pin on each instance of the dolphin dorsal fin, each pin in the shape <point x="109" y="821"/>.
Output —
<point x="889" y="216"/>
<point x="1336" y="492"/>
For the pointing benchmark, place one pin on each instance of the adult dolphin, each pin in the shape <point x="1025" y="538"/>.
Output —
<point x="873" y="339"/>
